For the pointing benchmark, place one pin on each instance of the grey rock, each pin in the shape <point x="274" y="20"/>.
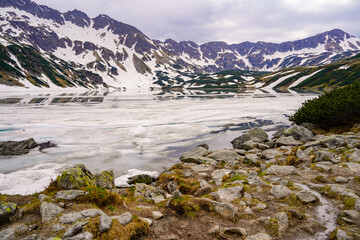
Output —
<point x="220" y="173"/>
<point x="255" y="180"/>
<point x="124" y="219"/>
<point x="259" y="236"/>
<point x="272" y="153"/>
<point x="357" y="205"/>
<point x="157" y="214"/>
<point x="351" y="214"/>
<point x="306" y="197"/>
<point x="354" y="156"/>
<point x="149" y="221"/>
<point x="252" y="134"/>
<point x="281" y="170"/>
<point x="224" y="155"/>
<point x="252" y="158"/>
<point x="279" y="132"/>
<point x="324" y="166"/>
<point x="105" y="223"/>
<point x="322" y="155"/>
<point x="343" y="191"/>
<point x="74" y="229"/>
<point x="17" y="147"/>
<point x="149" y="192"/>
<point x="225" y="210"/>
<point x="287" y="141"/>
<point x="42" y="197"/>
<point x="70" y="194"/>
<point x="204" y="188"/>
<point x="283" y="222"/>
<point x="280" y="191"/>
<point x="76" y="178"/>
<point x="230" y="194"/>
<point x="260" y="206"/>
<point x="353" y="167"/>
<point x="48" y="211"/>
<point x="340" y="179"/>
<point x="304" y="155"/>
<point x="73" y="217"/>
<point x="142" y="178"/>
<point x="7" y="234"/>
<point x="81" y="236"/>
<point x="105" y="179"/>
<point x="7" y="209"/>
<point x="214" y="230"/>
<point x="248" y="211"/>
<point x="341" y="235"/>
<point x="58" y="227"/>
<point x="32" y="237"/>
<point x="172" y="187"/>
<point x="299" y="133"/>
<point x="235" y="230"/>
<point x="194" y="156"/>
<point x="202" y="168"/>
<point x="328" y="142"/>
<point x="251" y="145"/>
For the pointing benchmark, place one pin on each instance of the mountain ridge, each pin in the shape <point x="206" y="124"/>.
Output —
<point x="125" y="57"/>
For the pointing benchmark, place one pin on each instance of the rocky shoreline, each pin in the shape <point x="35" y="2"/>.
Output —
<point x="297" y="185"/>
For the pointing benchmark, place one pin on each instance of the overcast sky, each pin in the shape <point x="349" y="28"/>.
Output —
<point x="233" y="21"/>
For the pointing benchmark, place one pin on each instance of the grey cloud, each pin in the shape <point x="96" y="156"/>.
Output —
<point x="232" y="21"/>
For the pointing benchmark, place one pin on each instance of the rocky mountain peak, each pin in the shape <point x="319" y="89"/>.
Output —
<point x="77" y="17"/>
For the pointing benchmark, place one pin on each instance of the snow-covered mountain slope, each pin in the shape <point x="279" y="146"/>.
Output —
<point x="332" y="75"/>
<point x="122" y="56"/>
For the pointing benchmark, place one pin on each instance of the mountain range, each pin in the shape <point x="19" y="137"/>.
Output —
<point x="42" y="47"/>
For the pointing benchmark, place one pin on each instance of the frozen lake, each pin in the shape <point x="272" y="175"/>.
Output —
<point x="126" y="130"/>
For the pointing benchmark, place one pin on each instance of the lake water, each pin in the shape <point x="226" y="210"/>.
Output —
<point x="127" y="130"/>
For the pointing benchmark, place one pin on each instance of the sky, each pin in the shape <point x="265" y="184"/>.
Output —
<point x="232" y="21"/>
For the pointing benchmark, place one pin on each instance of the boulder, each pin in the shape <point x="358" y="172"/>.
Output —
<point x="220" y="173"/>
<point x="43" y="197"/>
<point x="81" y="236"/>
<point x="105" y="223"/>
<point x="73" y="217"/>
<point x="149" y="192"/>
<point x="7" y="209"/>
<point x="74" y="229"/>
<point x="353" y="167"/>
<point x="194" y="156"/>
<point x="252" y="159"/>
<point x="287" y="141"/>
<point x="279" y="132"/>
<point x="328" y="142"/>
<point x="149" y="221"/>
<point x="283" y="222"/>
<point x="70" y="194"/>
<point x="7" y="234"/>
<point x="323" y="155"/>
<point x="142" y="178"/>
<point x="231" y="193"/>
<point x="306" y="197"/>
<point x="255" y="180"/>
<point x="254" y="134"/>
<point x="225" y="210"/>
<point x="259" y="236"/>
<point x="203" y="189"/>
<point x="342" y="235"/>
<point x="224" y="155"/>
<point x="17" y="147"/>
<point x="272" y="153"/>
<point x="324" y="166"/>
<point x="354" y="156"/>
<point x="48" y="211"/>
<point x="280" y="191"/>
<point x="124" y="219"/>
<point x="76" y="178"/>
<point x="105" y="179"/>
<point x="157" y="214"/>
<point x="299" y="133"/>
<point x="241" y="232"/>
<point x="281" y="170"/>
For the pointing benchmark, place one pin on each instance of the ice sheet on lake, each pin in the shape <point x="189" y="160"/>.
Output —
<point x="126" y="130"/>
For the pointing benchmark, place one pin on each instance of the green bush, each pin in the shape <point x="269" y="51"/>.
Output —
<point x="338" y="107"/>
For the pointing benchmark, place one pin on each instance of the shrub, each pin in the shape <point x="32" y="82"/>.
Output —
<point x="336" y="108"/>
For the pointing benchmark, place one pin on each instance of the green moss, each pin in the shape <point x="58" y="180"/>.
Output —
<point x="321" y="179"/>
<point x="272" y="227"/>
<point x="238" y="177"/>
<point x="349" y="203"/>
<point x="187" y="206"/>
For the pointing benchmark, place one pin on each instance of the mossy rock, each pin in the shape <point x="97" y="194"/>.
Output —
<point x="105" y="179"/>
<point x="7" y="209"/>
<point x="76" y="178"/>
